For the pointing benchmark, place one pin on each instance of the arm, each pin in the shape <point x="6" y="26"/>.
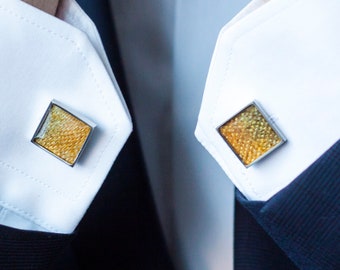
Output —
<point x="21" y="249"/>
<point x="303" y="218"/>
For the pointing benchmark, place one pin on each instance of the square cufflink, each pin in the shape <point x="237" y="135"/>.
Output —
<point x="251" y="135"/>
<point x="62" y="133"/>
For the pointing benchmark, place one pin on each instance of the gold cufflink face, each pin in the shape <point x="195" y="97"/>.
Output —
<point x="251" y="135"/>
<point x="62" y="134"/>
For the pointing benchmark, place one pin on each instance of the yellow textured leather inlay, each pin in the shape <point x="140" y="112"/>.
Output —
<point x="62" y="134"/>
<point x="249" y="135"/>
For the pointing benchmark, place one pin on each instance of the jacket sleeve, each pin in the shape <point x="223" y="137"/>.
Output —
<point x="304" y="218"/>
<point x="21" y="249"/>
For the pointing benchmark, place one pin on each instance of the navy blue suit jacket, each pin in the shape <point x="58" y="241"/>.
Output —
<point x="298" y="228"/>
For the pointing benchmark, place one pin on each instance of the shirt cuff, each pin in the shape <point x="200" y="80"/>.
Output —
<point x="47" y="58"/>
<point x="267" y="54"/>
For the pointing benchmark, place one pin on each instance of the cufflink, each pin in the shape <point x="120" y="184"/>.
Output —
<point x="251" y="135"/>
<point x="62" y="133"/>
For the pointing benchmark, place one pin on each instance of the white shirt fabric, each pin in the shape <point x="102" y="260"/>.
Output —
<point x="42" y="59"/>
<point x="286" y="59"/>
